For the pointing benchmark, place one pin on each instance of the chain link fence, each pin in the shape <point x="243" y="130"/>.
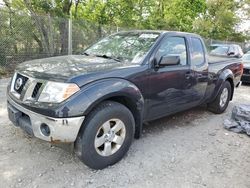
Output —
<point x="27" y="36"/>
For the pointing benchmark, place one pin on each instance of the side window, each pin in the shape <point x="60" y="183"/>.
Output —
<point x="173" y="46"/>
<point x="198" y="55"/>
<point x="240" y="51"/>
<point x="232" y="49"/>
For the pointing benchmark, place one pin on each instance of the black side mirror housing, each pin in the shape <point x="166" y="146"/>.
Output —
<point x="231" y="54"/>
<point x="169" y="60"/>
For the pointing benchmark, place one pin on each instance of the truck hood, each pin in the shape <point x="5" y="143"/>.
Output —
<point x="65" y="68"/>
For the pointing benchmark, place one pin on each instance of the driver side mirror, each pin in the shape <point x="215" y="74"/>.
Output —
<point x="169" y="60"/>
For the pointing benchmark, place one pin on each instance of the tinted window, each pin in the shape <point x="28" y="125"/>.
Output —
<point x="197" y="56"/>
<point x="173" y="46"/>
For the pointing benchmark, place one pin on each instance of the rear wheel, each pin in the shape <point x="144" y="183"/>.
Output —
<point x="219" y="105"/>
<point x="106" y="135"/>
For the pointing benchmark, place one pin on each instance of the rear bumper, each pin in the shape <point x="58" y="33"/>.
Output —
<point x="44" y="127"/>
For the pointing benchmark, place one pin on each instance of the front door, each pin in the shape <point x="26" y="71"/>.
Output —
<point x="171" y="86"/>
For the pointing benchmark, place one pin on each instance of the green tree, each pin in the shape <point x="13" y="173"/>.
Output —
<point x="219" y="20"/>
<point x="178" y="14"/>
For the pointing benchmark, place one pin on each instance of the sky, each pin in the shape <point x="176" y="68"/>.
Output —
<point x="245" y="26"/>
<point x="245" y="23"/>
<point x="1" y="3"/>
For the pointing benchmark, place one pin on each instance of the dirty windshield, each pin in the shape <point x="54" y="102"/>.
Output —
<point x="127" y="46"/>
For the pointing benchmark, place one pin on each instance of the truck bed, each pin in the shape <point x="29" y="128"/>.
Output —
<point x="221" y="59"/>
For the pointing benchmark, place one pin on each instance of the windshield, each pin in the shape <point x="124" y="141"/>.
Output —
<point x="130" y="47"/>
<point x="220" y="50"/>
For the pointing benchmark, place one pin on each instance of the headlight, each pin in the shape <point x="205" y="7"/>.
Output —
<point x="55" y="92"/>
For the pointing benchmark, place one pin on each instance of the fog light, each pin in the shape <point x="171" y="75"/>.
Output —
<point x="45" y="129"/>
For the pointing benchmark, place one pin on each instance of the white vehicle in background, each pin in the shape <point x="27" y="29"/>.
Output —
<point x="232" y="50"/>
<point x="246" y="71"/>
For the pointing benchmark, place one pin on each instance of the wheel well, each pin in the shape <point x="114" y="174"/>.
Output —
<point x="230" y="80"/>
<point x="134" y="110"/>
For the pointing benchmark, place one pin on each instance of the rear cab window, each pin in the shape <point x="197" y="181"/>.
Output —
<point x="197" y="52"/>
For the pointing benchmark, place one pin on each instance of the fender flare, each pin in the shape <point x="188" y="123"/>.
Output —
<point x="94" y="93"/>
<point x="224" y="75"/>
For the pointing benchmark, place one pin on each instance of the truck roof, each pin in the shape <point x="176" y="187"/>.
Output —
<point x="161" y="32"/>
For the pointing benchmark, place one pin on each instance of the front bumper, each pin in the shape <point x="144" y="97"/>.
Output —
<point x="50" y="129"/>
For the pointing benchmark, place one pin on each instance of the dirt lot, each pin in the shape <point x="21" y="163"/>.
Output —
<point x="190" y="149"/>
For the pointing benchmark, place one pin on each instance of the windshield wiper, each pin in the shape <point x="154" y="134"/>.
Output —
<point x="103" y="56"/>
<point x="85" y="53"/>
<point x="108" y="57"/>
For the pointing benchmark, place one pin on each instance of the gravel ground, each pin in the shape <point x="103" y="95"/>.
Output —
<point x="189" y="149"/>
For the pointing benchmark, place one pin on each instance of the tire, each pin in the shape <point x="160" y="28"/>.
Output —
<point x="217" y="106"/>
<point x="110" y="116"/>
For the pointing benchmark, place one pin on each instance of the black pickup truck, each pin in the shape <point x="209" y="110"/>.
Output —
<point x="100" y="99"/>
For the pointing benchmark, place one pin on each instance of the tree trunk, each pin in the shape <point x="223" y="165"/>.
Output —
<point x="38" y="42"/>
<point x="7" y="4"/>
<point x="99" y="31"/>
<point x="41" y="26"/>
<point x="76" y="7"/>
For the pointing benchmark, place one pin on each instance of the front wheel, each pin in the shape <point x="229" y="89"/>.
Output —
<point x="219" y="105"/>
<point x="106" y="135"/>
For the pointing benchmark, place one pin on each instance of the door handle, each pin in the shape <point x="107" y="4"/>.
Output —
<point x="188" y="75"/>
<point x="199" y="75"/>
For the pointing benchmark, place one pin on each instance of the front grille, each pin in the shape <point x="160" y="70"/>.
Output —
<point x="246" y="71"/>
<point x="26" y="88"/>
<point x="36" y="90"/>
<point x="19" y="83"/>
